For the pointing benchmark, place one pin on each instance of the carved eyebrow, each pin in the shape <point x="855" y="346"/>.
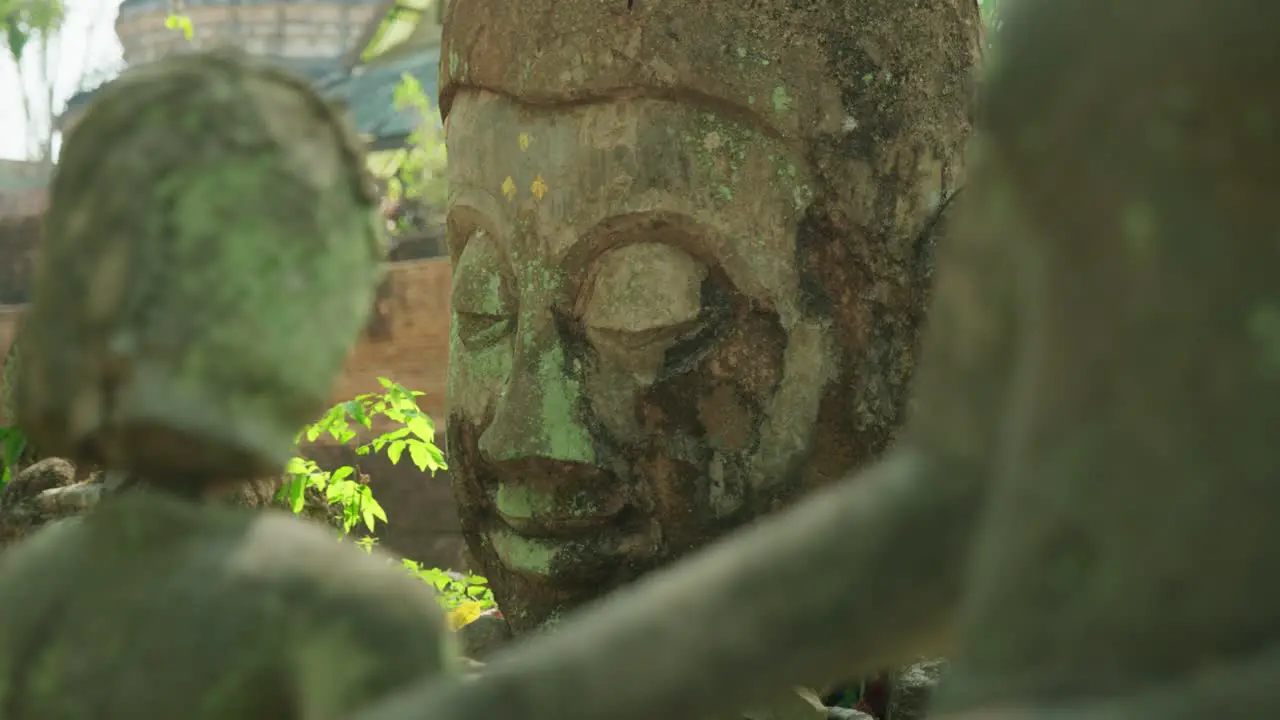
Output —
<point x="478" y="208"/>
<point x="727" y="109"/>
<point x="656" y="225"/>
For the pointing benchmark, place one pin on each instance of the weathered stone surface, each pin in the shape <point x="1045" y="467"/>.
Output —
<point x="795" y="705"/>
<point x="192" y="328"/>
<point x="1090" y="478"/>
<point x="1146" y="405"/>
<point x="21" y="512"/>
<point x="839" y="713"/>
<point x="912" y="689"/>
<point x="153" y="606"/>
<point x="53" y="489"/>
<point x="482" y="636"/>
<point x="214" y="258"/>
<point x="691" y="248"/>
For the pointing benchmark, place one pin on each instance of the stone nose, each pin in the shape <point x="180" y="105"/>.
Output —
<point x="539" y="414"/>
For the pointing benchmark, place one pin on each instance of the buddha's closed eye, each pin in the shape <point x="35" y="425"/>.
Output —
<point x="646" y="296"/>
<point x="483" y="306"/>
<point x="642" y="299"/>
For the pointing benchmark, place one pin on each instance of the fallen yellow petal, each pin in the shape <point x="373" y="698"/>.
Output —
<point x="465" y="614"/>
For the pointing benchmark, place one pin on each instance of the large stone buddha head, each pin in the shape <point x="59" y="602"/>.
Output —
<point x="691" y="250"/>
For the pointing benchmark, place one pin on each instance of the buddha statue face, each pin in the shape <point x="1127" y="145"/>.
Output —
<point x="668" y="317"/>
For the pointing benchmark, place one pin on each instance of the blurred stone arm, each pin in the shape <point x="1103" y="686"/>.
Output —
<point x="275" y="615"/>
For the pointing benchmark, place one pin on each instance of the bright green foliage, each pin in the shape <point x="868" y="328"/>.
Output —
<point x="342" y="487"/>
<point x="416" y="434"/>
<point x="182" y="24"/>
<point x="12" y="446"/>
<point x="454" y="591"/>
<point x="991" y="16"/>
<point x="421" y="171"/>
<point x="13" y="443"/>
<point x="24" y="20"/>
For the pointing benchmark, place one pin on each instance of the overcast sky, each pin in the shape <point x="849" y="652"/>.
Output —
<point x="86" y="49"/>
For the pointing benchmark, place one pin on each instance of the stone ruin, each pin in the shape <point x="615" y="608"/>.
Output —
<point x="782" y="198"/>
<point x="691" y="256"/>
<point x="1081" y="510"/>
<point x="172" y="342"/>
<point x="1127" y="349"/>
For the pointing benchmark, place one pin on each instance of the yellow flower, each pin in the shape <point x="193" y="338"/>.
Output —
<point x="538" y="188"/>
<point x="524" y="141"/>
<point x="465" y="614"/>
<point x="509" y="188"/>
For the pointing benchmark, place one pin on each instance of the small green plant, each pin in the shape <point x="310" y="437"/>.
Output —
<point x="22" y="21"/>
<point x="463" y="596"/>
<point x="13" y="443"/>
<point x="12" y="446"/>
<point x="182" y="24"/>
<point x="455" y="590"/>
<point x="420" y="172"/>
<point x="342" y="486"/>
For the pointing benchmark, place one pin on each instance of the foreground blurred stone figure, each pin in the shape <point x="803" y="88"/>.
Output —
<point x="211" y="253"/>
<point x="1083" y="511"/>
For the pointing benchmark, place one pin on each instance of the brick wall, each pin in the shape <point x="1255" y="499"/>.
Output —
<point x="23" y="203"/>
<point x="22" y="187"/>
<point x="407" y="340"/>
<point x="19" y="235"/>
<point x="9" y="315"/>
<point x="302" y="30"/>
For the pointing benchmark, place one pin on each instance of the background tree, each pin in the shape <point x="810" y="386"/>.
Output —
<point x="41" y="39"/>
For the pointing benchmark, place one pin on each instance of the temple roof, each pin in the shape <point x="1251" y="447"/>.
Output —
<point x="166" y="5"/>
<point x="368" y="91"/>
<point x="369" y="94"/>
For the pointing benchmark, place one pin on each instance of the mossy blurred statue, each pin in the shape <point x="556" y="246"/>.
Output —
<point x="690" y="260"/>
<point x="211" y="255"/>
<point x="1081" y="512"/>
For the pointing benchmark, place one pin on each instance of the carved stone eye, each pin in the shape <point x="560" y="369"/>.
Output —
<point x="644" y="287"/>
<point x="484" y="310"/>
<point x="643" y="299"/>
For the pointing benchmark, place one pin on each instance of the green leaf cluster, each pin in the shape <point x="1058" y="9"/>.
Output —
<point x="343" y="487"/>
<point x="421" y="165"/>
<point x="13" y="445"/>
<point x="25" y="20"/>
<point x="454" y="590"/>
<point x="414" y="435"/>
<point x="182" y="24"/>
